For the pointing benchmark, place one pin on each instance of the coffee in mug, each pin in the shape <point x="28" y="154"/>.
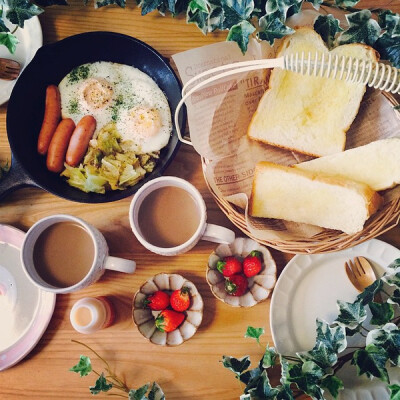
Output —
<point x="168" y="217"/>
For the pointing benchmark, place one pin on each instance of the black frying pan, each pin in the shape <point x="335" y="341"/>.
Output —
<point x="26" y="107"/>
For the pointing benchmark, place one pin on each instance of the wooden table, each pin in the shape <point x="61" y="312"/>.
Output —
<point x="190" y="371"/>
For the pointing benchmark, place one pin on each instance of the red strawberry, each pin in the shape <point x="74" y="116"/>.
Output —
<point x="169" y="320"/>
<point x="236" y="285"/>
<point x="180" y="299"/>
<point x="252" y="263"/>
<point x="229" y="266"/>
<point x="157" y="301"/>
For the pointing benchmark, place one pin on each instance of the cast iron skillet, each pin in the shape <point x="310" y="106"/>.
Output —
<point x="26" y="107"/>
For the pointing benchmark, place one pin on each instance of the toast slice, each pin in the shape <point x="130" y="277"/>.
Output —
<point x="303" y="196"/>
<point x="307" y="114"/>
<point x="376" y="164"/>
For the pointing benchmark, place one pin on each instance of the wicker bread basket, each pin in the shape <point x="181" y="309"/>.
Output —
<point x="326" y="241"/>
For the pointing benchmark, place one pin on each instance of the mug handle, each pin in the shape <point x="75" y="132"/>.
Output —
<point x="120" y="264"/>
<point x="218" y="234"/>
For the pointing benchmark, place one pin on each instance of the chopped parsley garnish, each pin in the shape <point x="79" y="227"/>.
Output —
<point x="79" y="73"/>
<point x="73" y="106"/>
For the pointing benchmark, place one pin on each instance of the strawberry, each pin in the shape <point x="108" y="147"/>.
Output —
<point x="229" y="266"/>
<point x="236" y="285"/>
<point x="157" y="301"/>
<point x="169" y="320"/>
<point x="180" y="299"/>
<point x="252" y="263"/>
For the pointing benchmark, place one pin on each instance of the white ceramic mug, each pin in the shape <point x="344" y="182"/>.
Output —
<point x="101" y="261"/>
<point x="204" y="231"/>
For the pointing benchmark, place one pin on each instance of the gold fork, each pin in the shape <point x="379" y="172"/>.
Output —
<point x="360" y="273"/>
<point x="9" y="69"/>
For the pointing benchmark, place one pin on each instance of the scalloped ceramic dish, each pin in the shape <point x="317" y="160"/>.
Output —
<point x="144" y="318"/>
<point x="260" y="286"/>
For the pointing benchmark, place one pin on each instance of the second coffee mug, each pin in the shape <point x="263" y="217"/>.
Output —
<point x="168" y="216"/>
<point x="62" y="254"/>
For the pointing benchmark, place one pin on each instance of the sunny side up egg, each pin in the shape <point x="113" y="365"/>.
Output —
<point x="122" y="94"/>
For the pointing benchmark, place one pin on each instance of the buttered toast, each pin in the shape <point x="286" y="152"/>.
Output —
<point x="308" y="114"/>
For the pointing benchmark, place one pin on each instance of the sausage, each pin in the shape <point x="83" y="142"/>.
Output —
<point x="80" y="140"/>
<point x="52" y="115"/>
<point x="59" y="144"/>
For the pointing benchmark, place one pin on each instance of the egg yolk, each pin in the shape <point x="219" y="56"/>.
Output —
<point x="144" y="121"/>
<point x="97" y="93"/>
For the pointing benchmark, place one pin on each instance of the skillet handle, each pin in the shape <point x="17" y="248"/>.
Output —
<point x="15" y="178"/>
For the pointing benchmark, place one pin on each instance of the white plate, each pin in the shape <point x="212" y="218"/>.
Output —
<point x="30" y="39"/>
<point x="309" y="287"/>
<point x="25" y="310"/>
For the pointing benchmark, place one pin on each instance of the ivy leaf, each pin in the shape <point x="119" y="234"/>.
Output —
<point x="351" y="314"/>
<point x="307" y="377"/>
<point x="285" y="393"/>
<point x="381" y="313"/>
<point x="327" y="26"/>
<point x="103" y="3"/>
<point x="101" y="385"/>
<point x="272" y="28"/>
<point x="269" y="358"/>
<point x="9" y="40"/>
<point x="236" y="365"/>
<point x="240" y="34"/>
<point x="329" y="342"/>
<point x="346" y="3"/>
<point x="279" y="8"/>
<point x="254" y="333"/>
<point x="394" y="298"/>
<point x="362" y="29"/>
<point x="156" y="392"/>
<point x="262" y="388"/>
<point x="394" y="265"/>
<point x="84" y="366"/>
<point x="371" y="361"/>
<point x="315" y="3"/>
<point x="21" y="10"/>
<point x="388" y="337"/>
<point x="394" y="392"/>
<point x="251" y="376"/>
<point x="139" y="394"/>
<point x="3" y="27"/>
<point x="369" y="293"/>
<point x="333" y="384"/>
<point x="236" y="12"/>
<point x="392" y="279"/>
<point x="197" y="13"/>
<point x="388" y="44"/>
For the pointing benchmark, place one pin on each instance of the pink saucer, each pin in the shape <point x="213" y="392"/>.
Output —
<point x="25" y="310"/>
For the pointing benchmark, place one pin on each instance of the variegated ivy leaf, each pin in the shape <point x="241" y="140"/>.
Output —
<point x="197" y="13"/>
<point x="369" y="293"/>
<point x="284" y="370"/>
<point x="394" y="392"/>
<point x="351" y="314"/>
<point x="272" y="28"/>
<point x="139" y="394"/>
<point x="279" y="8"/>
<point x="251" y="376"/>
<point x="394" y="298"/>
<point x="346" y="3"/>
<point x="84" y="366"/>
<point x="315" y="3"/>
<point x="371" y="361"/>
<point x="381" y="313"/>
<point x="254" y="333"/>
<point x="236" y="365"/>
<point x="307" y="377"/>
<point x="392" y="278"/>
<point x="216" y="17"/>
<point x="327" y="26"/>
<point x="148" y="5"/>
<point x="329" y="342"/>
<point x="387" y="337"/>
<point x="103" y="3"/>
<point x="388" y="44"/>
<point x="362" y="29"/>
<point x="101" y="385"/>
<point x="9" y="40"/>
<point x="240" y="34"/>
<point x="259" y="8"/>
<point x="262" y="388"/>
<point x="21" y="10"/>
<point x="394" y="264"/>
<point x="333" y="384"/>
<point x="156" y="392"/>
<point x="285" y="393"/>
<point x="269" y="358"/>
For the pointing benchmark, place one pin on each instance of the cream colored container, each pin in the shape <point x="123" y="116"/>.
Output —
<point x="91" y="314"/>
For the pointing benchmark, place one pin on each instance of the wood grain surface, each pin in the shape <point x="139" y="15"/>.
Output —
<point x="192" y="370"/>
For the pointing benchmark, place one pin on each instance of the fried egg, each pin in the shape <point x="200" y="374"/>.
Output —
<point x="122" y="94"/>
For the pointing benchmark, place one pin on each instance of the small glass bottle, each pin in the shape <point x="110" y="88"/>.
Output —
<point x="90" y="314"/>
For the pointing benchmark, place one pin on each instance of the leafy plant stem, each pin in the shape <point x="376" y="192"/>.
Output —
<point x="364" y="328"/>
<point x="14" y="30"/>
<point x="292" y="358"/>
